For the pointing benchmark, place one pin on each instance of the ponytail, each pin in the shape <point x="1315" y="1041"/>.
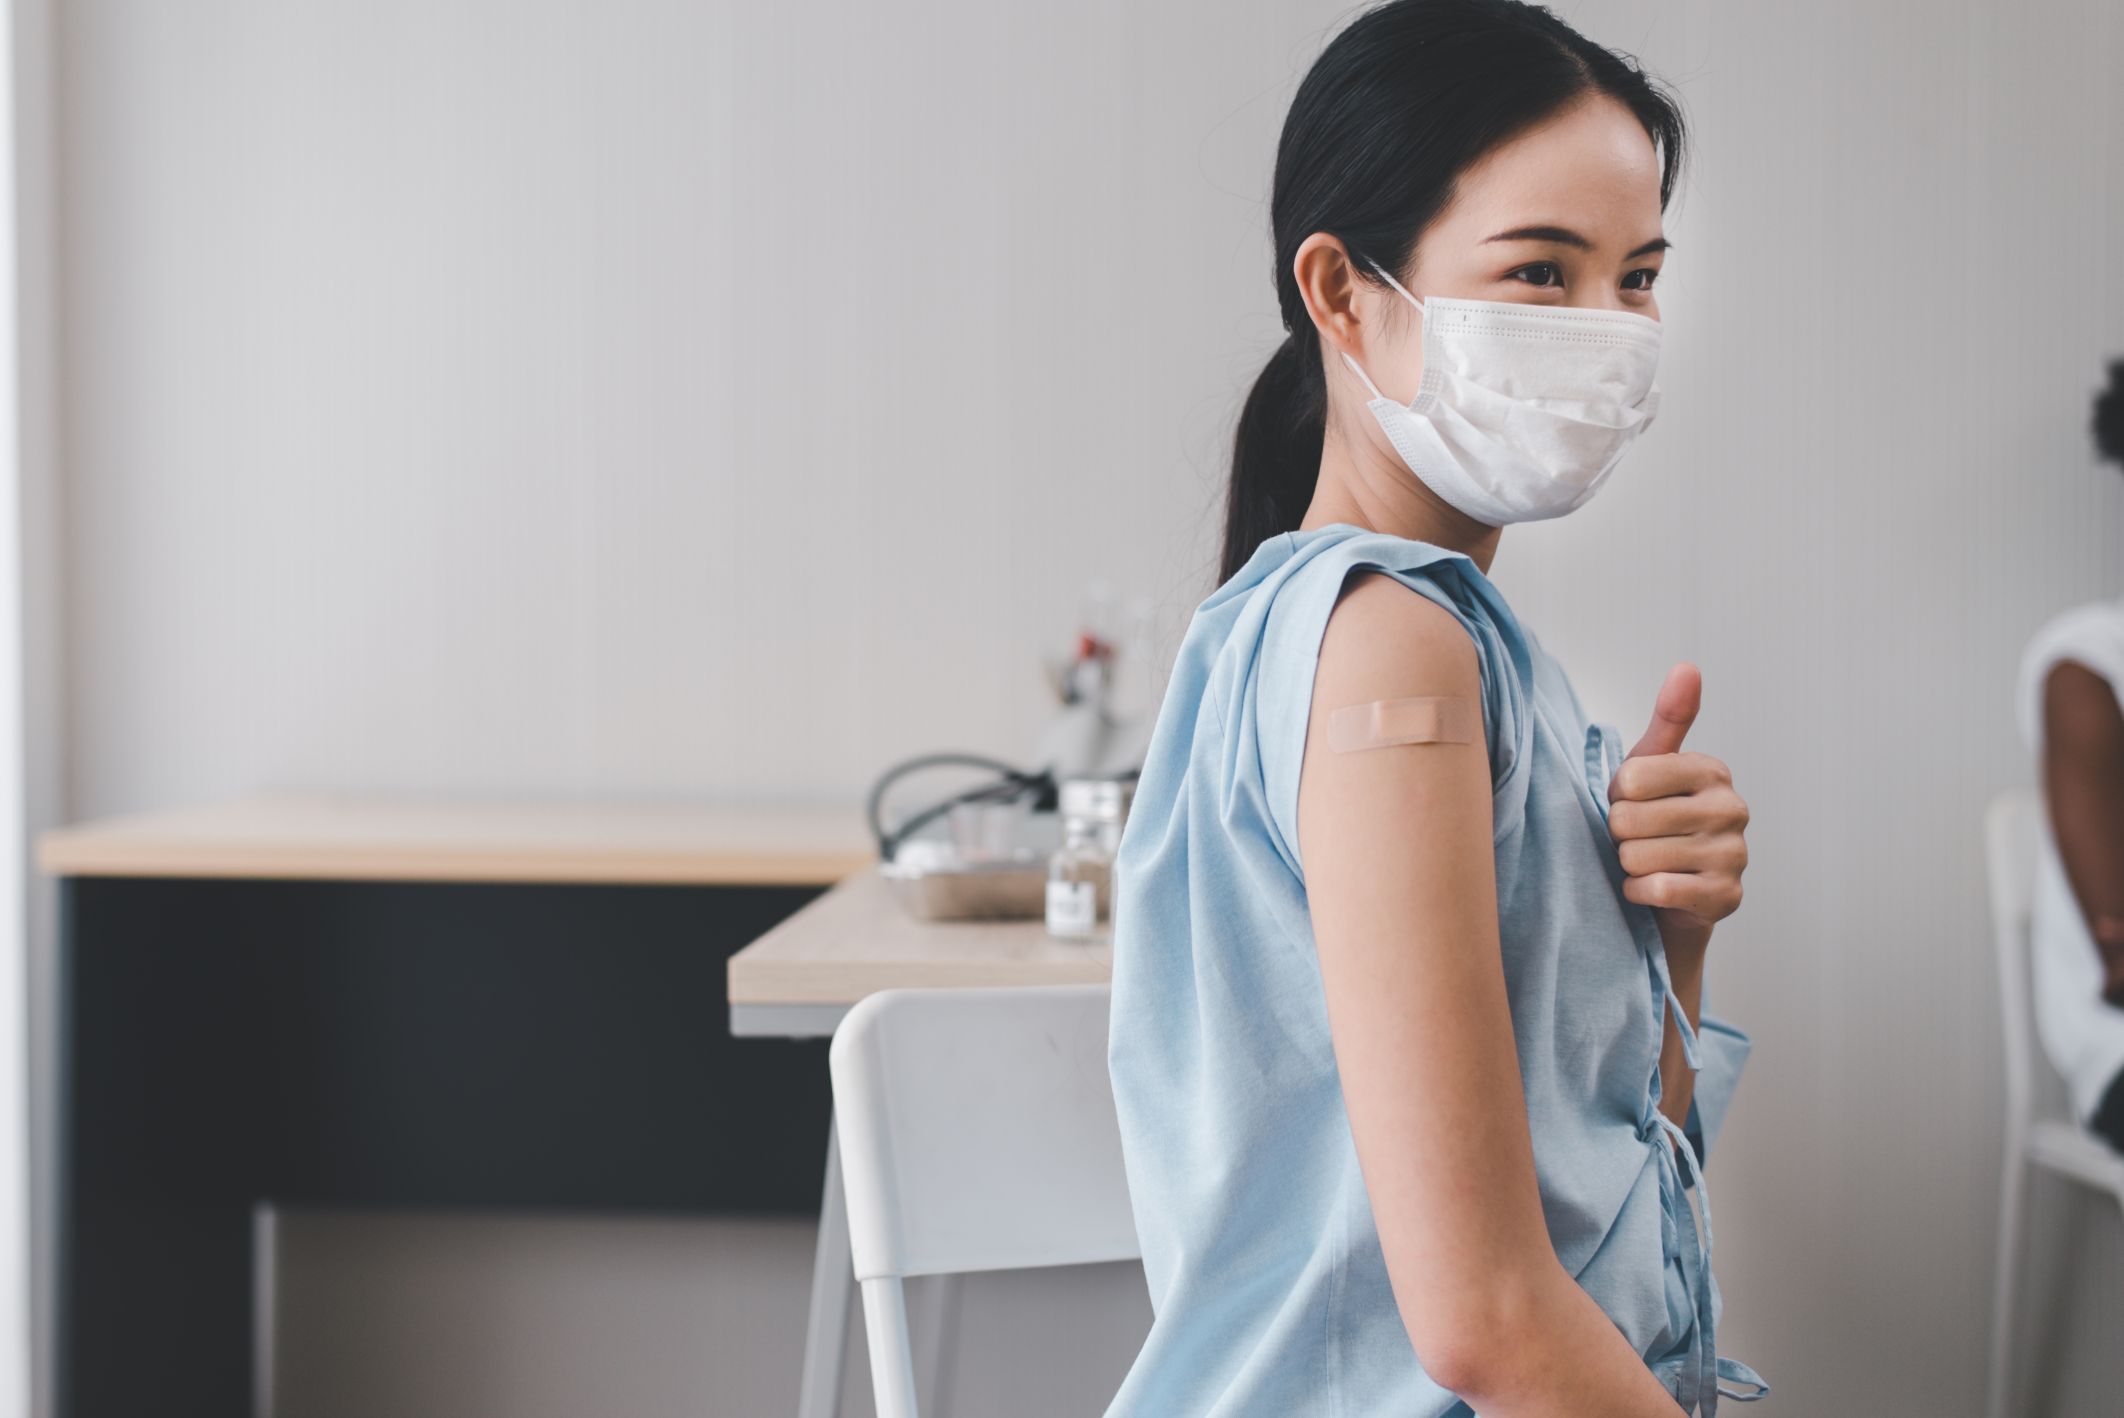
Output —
<point x="1276" y="452"/>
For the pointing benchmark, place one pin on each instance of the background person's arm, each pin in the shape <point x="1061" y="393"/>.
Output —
<point x="1401" y="877"/>
<point x="2083" y="786"/>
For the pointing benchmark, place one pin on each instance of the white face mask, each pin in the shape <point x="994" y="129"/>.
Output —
<point x="1524" y="409"/>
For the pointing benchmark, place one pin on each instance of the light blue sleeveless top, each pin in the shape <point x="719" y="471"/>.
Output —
<point x="1267" y="1282"/>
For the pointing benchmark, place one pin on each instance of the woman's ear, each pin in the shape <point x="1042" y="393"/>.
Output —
<point x="1334" y="296"/>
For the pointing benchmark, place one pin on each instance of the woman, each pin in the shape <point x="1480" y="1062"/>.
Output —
<point x="2067" y="705"/>
<point x="1407" y="962"/>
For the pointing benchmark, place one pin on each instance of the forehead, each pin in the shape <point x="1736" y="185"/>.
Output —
<point x="1592" y="168"/>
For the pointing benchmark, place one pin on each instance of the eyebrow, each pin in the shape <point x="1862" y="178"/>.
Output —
<point x="1567" y="237"/>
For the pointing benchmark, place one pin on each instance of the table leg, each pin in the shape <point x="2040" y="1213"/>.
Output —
<point x="159" y="1114"/>
<point x="832" y="1286"/>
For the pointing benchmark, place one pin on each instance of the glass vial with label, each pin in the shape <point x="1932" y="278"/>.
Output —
<point x="1081" y="873"/>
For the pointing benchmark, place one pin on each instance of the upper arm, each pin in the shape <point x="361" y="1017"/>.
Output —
<point x="1401" y="882"/>
<point x="2083" y="724"/>
<point x="2083" y="785"/>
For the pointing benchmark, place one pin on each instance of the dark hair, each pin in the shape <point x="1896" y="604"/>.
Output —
<point x="1403" y="101"/>
<point x="2109" y="417"/>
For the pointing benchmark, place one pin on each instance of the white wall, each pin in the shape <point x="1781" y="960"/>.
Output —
<point x="683" y="398"/>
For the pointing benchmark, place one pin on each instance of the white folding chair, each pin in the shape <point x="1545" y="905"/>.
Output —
<point x="2039" y="1132"/>
<point x="977" y="1132"/>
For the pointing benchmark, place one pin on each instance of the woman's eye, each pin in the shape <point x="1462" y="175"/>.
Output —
<point x="1549" y="267"/>
<point x="1650" y="273"/>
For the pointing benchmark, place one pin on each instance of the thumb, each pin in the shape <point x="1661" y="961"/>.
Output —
<point x="1679" y="698"/>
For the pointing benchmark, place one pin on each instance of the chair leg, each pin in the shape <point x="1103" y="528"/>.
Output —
<point x="891" y="1356"/>
<point x="2006" y="1285"/>
<point x="938" y="1349"/>
<point x="832" y="1278"/>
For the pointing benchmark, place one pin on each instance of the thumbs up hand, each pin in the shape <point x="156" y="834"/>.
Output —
<point x="1677" y="822"/>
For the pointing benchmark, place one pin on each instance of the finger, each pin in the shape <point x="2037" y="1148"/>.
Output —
<point x="1716" y="808"/>
<point x="1665" y="774"/>
<point x="1725" y="854"/>
<point x="1680" y="695"/>
<point x="1712" y="898"/>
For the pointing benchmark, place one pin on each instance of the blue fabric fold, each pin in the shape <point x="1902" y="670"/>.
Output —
<point x="1724" y="1050"/>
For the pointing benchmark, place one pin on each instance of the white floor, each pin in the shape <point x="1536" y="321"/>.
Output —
<point x="2072" y="1342"/>
<point x="433" y="1316"/>
<point x="452" y="1316"/>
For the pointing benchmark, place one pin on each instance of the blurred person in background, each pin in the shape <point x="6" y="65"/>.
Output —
<point x="2069" y="713"/>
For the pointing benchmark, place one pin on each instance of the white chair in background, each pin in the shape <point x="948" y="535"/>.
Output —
<point x="2036" y="1136"/>
<point x="976" y="1132"/>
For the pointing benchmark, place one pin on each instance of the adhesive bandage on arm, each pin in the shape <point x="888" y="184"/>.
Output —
<point x="1386" y="722"/>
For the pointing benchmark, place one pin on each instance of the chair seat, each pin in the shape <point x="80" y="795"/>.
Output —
<point x="2062" y="1147"/>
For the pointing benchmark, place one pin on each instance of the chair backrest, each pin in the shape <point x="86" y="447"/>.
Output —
<point x="977" y="1132"/>
<point x="2012" y="832"/>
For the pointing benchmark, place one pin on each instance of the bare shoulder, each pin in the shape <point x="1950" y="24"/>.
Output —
<point x="2081" y="709"/>
<point x="1385" y="640"/>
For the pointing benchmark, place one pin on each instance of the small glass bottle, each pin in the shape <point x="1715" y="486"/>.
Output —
<point x="1080" y="875"/>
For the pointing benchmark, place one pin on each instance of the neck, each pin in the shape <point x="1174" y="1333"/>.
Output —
<point x="1358" y="489"/>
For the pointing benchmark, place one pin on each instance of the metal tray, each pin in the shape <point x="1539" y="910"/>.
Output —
<point x="948" y="890"/>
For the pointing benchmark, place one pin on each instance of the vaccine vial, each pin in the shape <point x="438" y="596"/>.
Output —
<point x="1080" y="875"/>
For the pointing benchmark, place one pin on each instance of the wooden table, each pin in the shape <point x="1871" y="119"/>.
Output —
<point x="799" y="979"/>
<point x="398" y="1002"/>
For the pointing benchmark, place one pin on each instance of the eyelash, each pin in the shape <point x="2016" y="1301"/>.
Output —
<point x="1651" y="274"/>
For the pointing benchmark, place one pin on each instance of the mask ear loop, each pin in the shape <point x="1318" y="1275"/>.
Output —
<point x="1387" y="276"/>
<point x="1362" y="375"/>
